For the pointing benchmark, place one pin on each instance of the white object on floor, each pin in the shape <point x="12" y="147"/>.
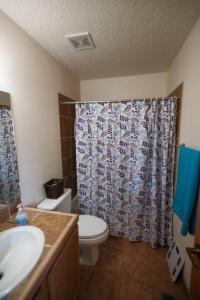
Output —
<point x="93" y="231"/>
<point x="175" y="260"/>
<point x="62" y="203"/>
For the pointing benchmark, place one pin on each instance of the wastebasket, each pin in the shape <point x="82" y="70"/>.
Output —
<point x="54" y="188"/>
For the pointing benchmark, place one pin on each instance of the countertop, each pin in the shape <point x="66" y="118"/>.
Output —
<point x="57" y="228"/>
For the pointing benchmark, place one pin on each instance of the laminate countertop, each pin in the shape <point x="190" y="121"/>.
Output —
<point x="57" y="228"/>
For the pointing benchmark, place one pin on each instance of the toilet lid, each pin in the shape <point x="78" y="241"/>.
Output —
<point x="91" y="226"/>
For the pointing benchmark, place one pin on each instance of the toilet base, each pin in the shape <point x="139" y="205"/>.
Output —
<point x="89" y="255"/>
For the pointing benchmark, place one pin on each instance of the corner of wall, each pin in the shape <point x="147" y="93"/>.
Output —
<point x="186" y="68"/>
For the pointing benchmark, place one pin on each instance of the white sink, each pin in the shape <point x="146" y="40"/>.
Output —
<point x="20" y="249"/>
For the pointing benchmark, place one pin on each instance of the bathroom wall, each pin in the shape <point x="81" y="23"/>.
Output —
<point x="124" y="87"/>
<point x="186" y="68"/>
<point x="67" y="139"/>
<point x="34" y="79"/>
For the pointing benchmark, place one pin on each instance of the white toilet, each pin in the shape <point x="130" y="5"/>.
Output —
<point x="93" y="231"/>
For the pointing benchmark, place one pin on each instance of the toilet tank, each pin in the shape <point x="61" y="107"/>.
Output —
<point x="66" y="204"/>
<point x="62" y="204"/>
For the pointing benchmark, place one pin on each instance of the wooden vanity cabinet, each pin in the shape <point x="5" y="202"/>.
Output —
<point x="43" y="291"/>
<point x="62" y="281"/>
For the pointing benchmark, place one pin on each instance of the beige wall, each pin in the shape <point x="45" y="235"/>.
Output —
<point x="124" y="87"/>
<point x="33" y="78"/>
<point x="186" y="68"/>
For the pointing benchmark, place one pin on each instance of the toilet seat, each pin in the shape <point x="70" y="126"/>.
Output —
<point x="91" y="227"/>
<point x="93" y="241"/>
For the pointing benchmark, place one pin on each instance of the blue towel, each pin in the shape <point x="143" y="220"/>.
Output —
<point x="187" y="186"/>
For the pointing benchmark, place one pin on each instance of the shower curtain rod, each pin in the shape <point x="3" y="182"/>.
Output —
<point x="113" y="101"/>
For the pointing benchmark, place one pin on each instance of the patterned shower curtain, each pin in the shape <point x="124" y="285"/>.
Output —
<point x="125" y="165"/>
<point x="9" y="179"/>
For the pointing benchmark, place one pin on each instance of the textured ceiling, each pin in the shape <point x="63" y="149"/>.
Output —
<point x="131" y="36"/>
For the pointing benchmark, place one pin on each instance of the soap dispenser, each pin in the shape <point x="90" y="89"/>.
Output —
<point x="21" y="217"/>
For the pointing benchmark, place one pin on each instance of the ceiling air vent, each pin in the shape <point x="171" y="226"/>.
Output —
<point x="81" y="41"/>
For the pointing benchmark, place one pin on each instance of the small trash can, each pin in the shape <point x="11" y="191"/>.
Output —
<point x="54" y="188"/>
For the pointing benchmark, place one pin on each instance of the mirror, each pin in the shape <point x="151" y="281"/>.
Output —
<point x="9" y="176"/>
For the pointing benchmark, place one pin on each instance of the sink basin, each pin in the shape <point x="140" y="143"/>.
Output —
<point x="20" y="250"/>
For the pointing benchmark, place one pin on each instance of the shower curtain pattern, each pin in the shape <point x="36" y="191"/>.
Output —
<point x="9" y="179"/>
<point x="125" y="163"/>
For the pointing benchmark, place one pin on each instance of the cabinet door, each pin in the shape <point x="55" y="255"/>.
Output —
<point x="42" y="293"/>
<point x="63" y="279"/>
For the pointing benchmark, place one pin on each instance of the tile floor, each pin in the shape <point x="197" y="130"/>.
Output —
<point x="128" y="271"/>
